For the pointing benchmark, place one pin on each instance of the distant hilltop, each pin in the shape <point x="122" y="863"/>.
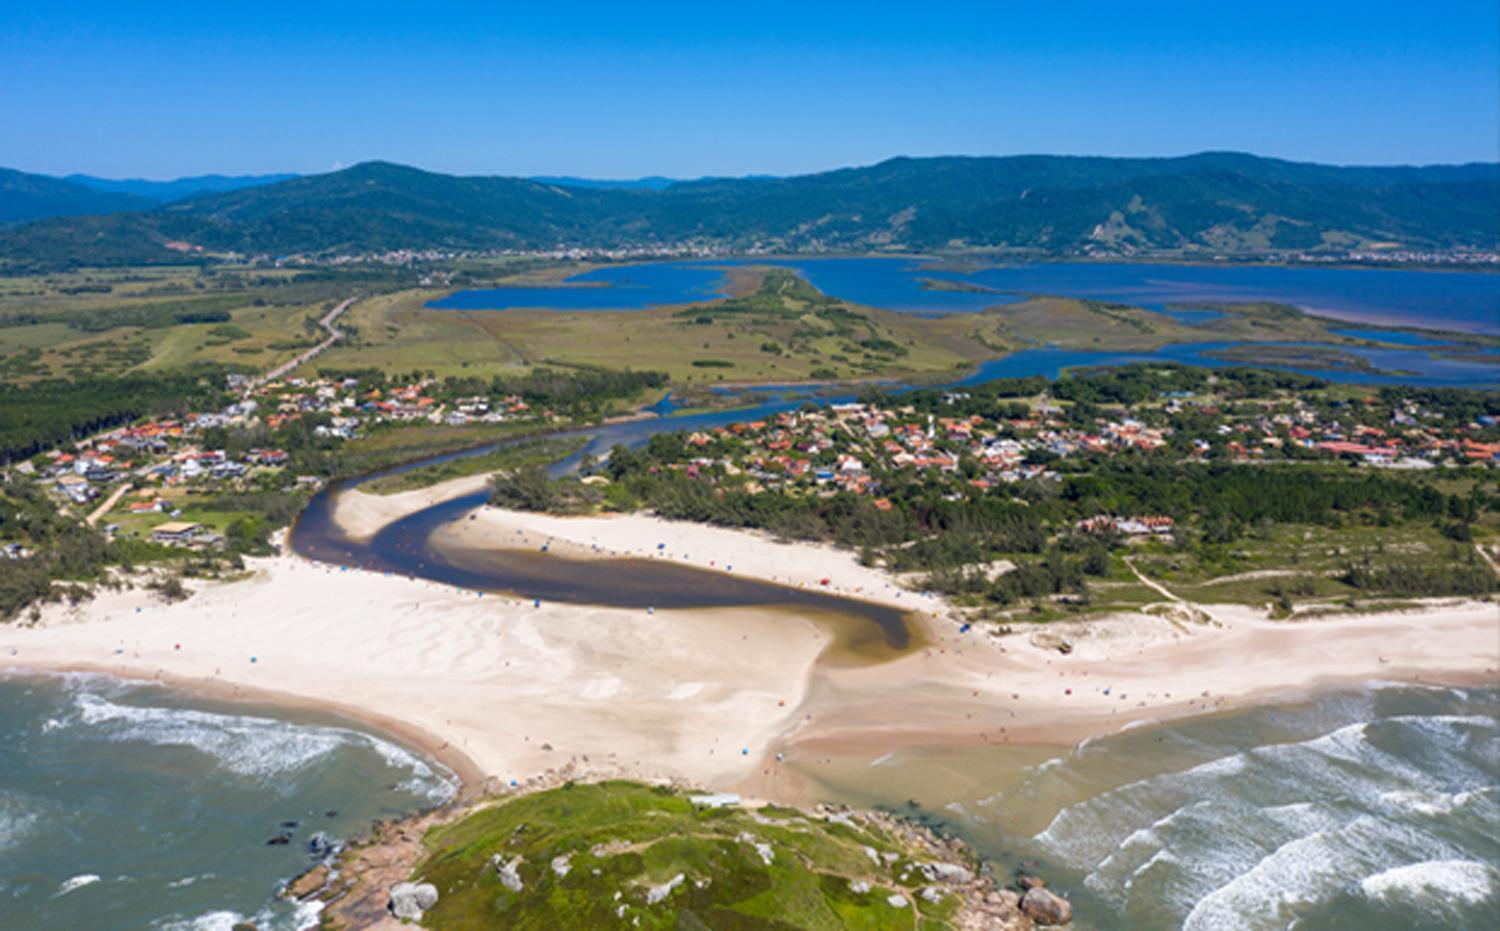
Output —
<point x="1215" y="203"/>
<point x="177" y="188"/>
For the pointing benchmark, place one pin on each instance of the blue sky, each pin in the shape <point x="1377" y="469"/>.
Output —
<point x="632" y="88"/>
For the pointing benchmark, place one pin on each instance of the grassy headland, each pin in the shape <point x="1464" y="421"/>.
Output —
<point x="623" y="854"/>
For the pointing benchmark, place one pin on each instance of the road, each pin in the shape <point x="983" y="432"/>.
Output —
<point x="107" y="503"/>
<point x="334" y="335"/>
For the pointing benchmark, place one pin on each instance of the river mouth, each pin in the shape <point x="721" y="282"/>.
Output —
<point x="861" y="632"/>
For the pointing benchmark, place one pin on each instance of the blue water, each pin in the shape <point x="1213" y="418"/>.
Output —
<point x="1398" y="337"/>
<point x="130" y="806"/>
<point x="615" y="287"/>
<point x="1439" y="300"/>
<point x="1192" y="316"/>
<point x="1467" y="301"/>
<point x="1425" y="369"/>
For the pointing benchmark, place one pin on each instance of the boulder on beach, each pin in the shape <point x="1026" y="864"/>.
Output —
<point x="410" y="900"/>
<point x="1045" y="908"/>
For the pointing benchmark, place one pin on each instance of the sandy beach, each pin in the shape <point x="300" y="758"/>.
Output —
<point x="503" y="690"/>
<point x="743" y="552"/>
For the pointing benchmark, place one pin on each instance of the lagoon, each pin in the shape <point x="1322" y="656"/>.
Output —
<point x="1461" y="301"/>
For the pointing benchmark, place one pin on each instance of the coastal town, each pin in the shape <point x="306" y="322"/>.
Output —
<point x="139" y="479"/>
<point x="861" y="447"/>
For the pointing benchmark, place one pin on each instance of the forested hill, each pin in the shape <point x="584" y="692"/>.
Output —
<point x="1217" y="202"/>
<point x="26" y="196"/>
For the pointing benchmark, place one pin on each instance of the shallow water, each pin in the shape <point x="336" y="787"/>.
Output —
<point x="1463" y="301"/>
<point x="131" y="806"/>
<point x="1376" y="809"/>
<point x="410" y="546"/>
<point x="1393" y="366"/>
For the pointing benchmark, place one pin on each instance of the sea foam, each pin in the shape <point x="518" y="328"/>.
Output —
<point x="1247" y="839"/>
<point x="77" y="882"/>
<point x="1467" y="880"/>
<point x="262" y="748"/>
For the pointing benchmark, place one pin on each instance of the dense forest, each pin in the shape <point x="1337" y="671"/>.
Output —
<point x="46" y="414"/>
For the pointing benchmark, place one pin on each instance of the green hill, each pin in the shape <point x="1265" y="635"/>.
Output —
<point x="26" y="196"/>
<point x="625" y="855"/>
<point x="1213" y="202"/>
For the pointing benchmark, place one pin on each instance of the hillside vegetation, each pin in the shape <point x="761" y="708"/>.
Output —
<point x="626" y="855"/>
<point x="31" y="197"/>
<point x="1213" y="202"/>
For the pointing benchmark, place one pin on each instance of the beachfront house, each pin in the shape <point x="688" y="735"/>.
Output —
<point x="176" y="533"/>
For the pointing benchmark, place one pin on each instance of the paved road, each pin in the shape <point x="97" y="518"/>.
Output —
<point x="334" y="335"/>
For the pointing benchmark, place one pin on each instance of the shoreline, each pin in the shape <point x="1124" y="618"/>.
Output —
<point x="360" y="515"/>
<point x="501" y="691"/>
<point x="466" y="774"/>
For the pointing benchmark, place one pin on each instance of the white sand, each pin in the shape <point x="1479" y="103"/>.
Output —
<point x="976" y="688"/>
<point x="684" y="693"/>
<point x="661" y="694"/>
<point x="798" y="564"/>
<point x="645" y="536"/>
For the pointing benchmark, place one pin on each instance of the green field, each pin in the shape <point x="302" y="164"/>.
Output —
<point x="110" y="322"/>
<point x="773" y="327"/>
<point x="788" y="333"/>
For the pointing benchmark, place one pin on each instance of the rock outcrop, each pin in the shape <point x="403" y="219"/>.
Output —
<point x="951" y="873"/>
<point x="410" y="900"/>
<point x="509" y="873"/>
<point x="1045" y="908"/>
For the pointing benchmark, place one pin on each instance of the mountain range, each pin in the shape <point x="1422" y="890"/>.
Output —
<point x="177" y="188"/>
<point x="1212" y="203"/>
<point x="32" y="197"/>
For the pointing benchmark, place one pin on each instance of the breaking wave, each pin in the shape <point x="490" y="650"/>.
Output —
<point x="1396" y="808"/>
<point x="77" y="882"/>
<point x="263" y="748"/>
<point x="1465" y="880"/>
<point x="272" y="918"/>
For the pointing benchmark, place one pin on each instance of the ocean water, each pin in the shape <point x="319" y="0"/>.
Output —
<point x="1462" y="301"/>
<point x="1376" y="810"/>
<point x="131" y="806"/>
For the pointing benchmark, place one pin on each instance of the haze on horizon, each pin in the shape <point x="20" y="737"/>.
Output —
<point x="594" y="90"/>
